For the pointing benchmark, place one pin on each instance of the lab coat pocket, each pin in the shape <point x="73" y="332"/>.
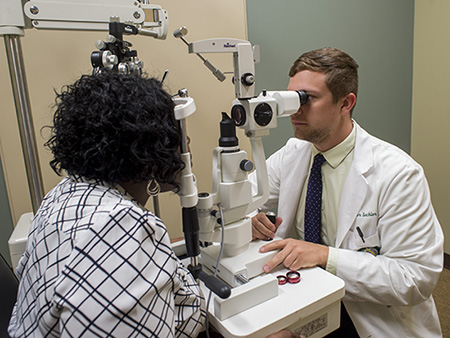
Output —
<point x="364" y="235"/>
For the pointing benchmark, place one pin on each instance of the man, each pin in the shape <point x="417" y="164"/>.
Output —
<point x="378" y="230"/>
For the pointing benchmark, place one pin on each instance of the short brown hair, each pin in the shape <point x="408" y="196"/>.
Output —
<point x="340" y="69"/>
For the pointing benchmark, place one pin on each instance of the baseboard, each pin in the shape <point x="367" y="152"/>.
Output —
<point x="446" y="261"/>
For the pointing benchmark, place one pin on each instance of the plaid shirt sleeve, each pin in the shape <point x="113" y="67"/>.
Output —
<point x="111" y="273"/>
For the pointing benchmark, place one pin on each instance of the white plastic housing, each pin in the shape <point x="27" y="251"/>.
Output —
<point x="184" y="107"/>
<point x="11" y="17"/>
<point x="288" y="102"/>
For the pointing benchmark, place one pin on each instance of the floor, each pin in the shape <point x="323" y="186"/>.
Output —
<point x="441" y="296"/>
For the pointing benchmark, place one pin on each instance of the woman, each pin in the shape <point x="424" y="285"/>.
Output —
<point x="97" y="262"/>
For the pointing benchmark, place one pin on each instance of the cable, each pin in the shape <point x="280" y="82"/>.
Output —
<point x="222" y="240"/>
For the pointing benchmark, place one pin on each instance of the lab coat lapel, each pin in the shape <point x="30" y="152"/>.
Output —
<point x="353" y="195"/>
<point x="356" y="185"/>
<point x="293" y="173"/>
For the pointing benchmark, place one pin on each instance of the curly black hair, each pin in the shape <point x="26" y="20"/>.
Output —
<point x="116" y="128"/>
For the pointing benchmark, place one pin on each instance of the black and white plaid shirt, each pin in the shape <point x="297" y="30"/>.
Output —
<point x="98" y="265"/>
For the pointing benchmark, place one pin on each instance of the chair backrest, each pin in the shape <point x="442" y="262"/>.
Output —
<point x="8" y="294"/>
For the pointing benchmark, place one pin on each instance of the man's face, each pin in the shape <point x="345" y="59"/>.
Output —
<point x="319" y="120"/>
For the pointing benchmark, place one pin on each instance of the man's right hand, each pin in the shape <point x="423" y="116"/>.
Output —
<point x="263" y="228"/>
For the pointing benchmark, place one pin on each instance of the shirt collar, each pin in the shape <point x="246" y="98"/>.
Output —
<point x="117" y="188"/>
<point x="337" y="154"/>
<point x="82" y="179"/>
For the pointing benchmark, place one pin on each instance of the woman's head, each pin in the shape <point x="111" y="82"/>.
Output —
<point x="116" y="128"/>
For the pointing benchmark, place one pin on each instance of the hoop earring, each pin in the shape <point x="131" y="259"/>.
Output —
<point x="153" y="188"/>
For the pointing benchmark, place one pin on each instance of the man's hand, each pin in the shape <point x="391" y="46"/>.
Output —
<point x="295" y="254"/>
<point x="263" y="228"/>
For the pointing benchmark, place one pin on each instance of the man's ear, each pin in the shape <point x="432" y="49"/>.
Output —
<point x="348" y="102"/>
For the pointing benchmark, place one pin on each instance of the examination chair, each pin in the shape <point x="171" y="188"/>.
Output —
<point x="8" y="293"/>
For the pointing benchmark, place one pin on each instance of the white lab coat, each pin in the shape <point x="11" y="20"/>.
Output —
<point x="386" y="194"/>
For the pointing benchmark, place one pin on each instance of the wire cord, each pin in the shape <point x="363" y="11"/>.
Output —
<point x="222" y="240"/>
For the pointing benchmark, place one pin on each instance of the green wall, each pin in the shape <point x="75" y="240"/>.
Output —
<point x="377" y="34"/>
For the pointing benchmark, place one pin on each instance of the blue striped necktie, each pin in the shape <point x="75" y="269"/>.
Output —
<point x="313" y="205"/>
